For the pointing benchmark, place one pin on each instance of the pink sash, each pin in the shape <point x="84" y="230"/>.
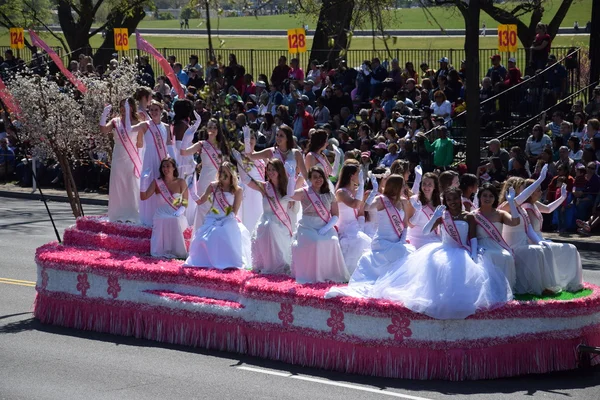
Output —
<point x="222" y="201"/>
<point x="278" y="154"/>
<point x="261" y="167"/>
<point x="536" y="212"/>
<point x="212" y="153"/>
<point x="452" y="231"/>
<point x="166" y="193"/>
<point x="158" y="140"/>
<point x="468" y="201"/>
<point x="323" y="162"/>
<point x="428" y="211"/>
<point x="491" y="230"/>
<point x="277" y="208"/>
<point x="393" y="215"/>
<point x="131" y="150"/>
<point x="351" y="195"/>
<point x="318" y="205"/>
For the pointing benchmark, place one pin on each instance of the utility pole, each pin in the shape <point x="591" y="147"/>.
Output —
<point x="595" y="45"/>
<point x="211" y="52"/>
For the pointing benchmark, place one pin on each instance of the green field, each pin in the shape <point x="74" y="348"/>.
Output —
<point x="412" y="18"/>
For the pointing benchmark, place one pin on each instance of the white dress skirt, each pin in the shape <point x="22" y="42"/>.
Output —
<point x="150" y="172"/>
<point x="353" y="241"/>
<point x="388" y="253"/>
<point x="207" y="176"/>
<point x="415" y="235"/>
<point x="221" y="242"/>
<point x="186" y="165"/>
<point x="563" y="262"/>
<point x="442" y="281"/>
<point x="167" y="231"/>
<point x="271" y="242"/>
<point x="294" y="209"/>
<point x="124" y="186"/>
<point x="531" y="273"/>
<point x="494" y="256"/>
<point x="252" y="203"/>
<point x="315" y="257"/>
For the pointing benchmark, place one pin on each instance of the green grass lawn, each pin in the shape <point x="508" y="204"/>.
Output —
<point x="413" y="18"/>
<point x="561" y="296"/>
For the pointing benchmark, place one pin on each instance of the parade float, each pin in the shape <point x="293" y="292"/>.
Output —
<point x="103" y="279"/>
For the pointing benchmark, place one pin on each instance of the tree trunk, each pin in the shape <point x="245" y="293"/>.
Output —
<point x="334" y="22"/>
<point x="76" y="32"/>
<point x="471" y="15"/>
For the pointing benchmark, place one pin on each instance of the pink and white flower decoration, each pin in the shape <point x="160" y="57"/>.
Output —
<point x="82" y="284"/>
<point x="400" y="328"/>
<point x="44" y="279"/>
<point x="285" y="315"/>
<point x="113" y="286"/>
<point x="336" y="322"/>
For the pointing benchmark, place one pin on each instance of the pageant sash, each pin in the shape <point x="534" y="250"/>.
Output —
<point x="131" y="150"/>
<point x="221" y="200"/>
<point x="393" y="215"/>
<point x="468" y="201"/>
<point x="534" y="209"/>
<point x="278" y="154"/>
<point x="323" y="161"/>
<point x="261" y="166"/>
<point x="318" y="205"/>
<point x="428" y="211"/>
<point x="166" y="193"/>
<point x="159" y="143"/>
<point x="491" y="230"/>
<point x="212" y="153"/>
<point x="452" y="231"/>
<point x="277" y="208"/>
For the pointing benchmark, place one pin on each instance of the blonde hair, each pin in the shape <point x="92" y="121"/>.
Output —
<point x="513" y="182"/>
<point x="233" y="176"/>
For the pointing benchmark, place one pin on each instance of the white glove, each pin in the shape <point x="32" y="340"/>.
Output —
<point x="528" y="191"/>
<point x="361" y="222"/>
<point x="563" y="191"/>
<point x="127" y="117"/>
<point x="188" y="136"/>
<point x="246" y="130"/>
<point x="476" y="200"/>
<point x="360" y="193"/>
<point x="556" y="203"/>
<point x="418" y="176"/>
<point x="237" y="156"/>
<point x="414" y="201"/>
<point x="105" y="114"/>
<point x="473" y="243"/>
<point x="374" y="192"/>
<point x="145" y="180"/>
<point x="291" y="173"/>
<point x="437" y="214"/>
<point x="544" y="172"/>
<point x="510" y="197"/>
<point x="329" y="225"/>
<point x="179" y="212"/>
<point x="335" y="169"/>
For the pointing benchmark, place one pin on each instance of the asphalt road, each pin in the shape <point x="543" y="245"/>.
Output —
<point x="46" y="362"/>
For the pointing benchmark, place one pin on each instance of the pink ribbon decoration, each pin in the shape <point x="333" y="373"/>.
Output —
<point x="36" y="41"/>
<point x="142" y="44"/>
<point x="8" y="100"/>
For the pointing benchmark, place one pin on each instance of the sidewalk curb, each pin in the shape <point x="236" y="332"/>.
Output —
<point x="581" y="245"/>
<point x="54" y="198"/>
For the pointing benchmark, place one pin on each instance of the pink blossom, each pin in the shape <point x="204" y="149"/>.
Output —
<point x="399" y="328"/>
<point x="82" y="284"/>
<point x="336" y="322"/>
<point x="285" y="315"/>
<point x="113" y="286"/>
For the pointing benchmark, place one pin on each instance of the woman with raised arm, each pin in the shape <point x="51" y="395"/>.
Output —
<point x="250" y="170"/>
<point x="272" y="238"/>
<point x="222" y="241"/>
<point x="315" y="155"/>
<point x="493" y="249"/>
<point x="562" y="261"/>
<point x="143" y="95"/>
<point x="213" y="152"/>
<point x="316" y="253"/>
<point x="126" y="164"/>
<point x="389" y="249"/>
<point x="349" y="195"/>
<point x="423" y="204"/>
<point x="443" y="280"/>
<point x="169" y="221"/>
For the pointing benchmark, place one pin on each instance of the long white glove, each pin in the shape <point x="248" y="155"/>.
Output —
<point x="361" y="222"/>
<point x="145" y="181"/>
<point x="476" y="200"/>
<point x="335" y="169"/>
<point x="528" y="191"/>
<point x="360" y="193"/>
<point x="418" y="176"/>
<point x="246" y="130"/>
<point x="329" y="225"/>
<point x="533" y="236"/>
<point x="188" y="136"/>
<point x="237" y="156"/>
<point x="510" y="197"/>
<point x="374" y="192"/>
<point x="403" y="235"/>
<point x="291" y="173"/>
<point x="127" y="117"/>
<point x="179" y="212"/>
<point x="473" y="243"/>
<point x="105" y="114"/>
<point x="556" y="203"/>
<point x="437" y="214"/>
<point x="414" y="201"/>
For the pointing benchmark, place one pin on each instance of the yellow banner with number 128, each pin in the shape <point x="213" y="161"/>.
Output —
<point x="296" y="40"/>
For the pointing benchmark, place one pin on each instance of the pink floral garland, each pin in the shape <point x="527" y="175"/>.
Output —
<point x="99" y="224"/>
<point x="189" y="298"/>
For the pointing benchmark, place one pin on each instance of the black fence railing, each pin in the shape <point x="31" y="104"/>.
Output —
<point x="25" y="53"/>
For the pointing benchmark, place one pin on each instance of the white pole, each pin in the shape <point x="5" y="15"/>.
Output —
<point x="33" y="167"/>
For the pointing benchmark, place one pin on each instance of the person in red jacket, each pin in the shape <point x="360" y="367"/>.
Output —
<point x="303" y="121"/>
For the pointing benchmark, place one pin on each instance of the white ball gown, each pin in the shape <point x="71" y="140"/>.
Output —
<point x="388" y="253"/>
<point x="442" y="281"/>
<point x="252" y="204"/>
<point x="167" y="230"/>
<point x="272" y="241"/>
<point x="222" y="241"/>
<point x="562" y="260"/>
<point x="494" y="255"/>
<point x="208" y="175"/>
<point x="294" y="209"/>
<point x="150" y="169"/>
<point x="529" y="260"/>
<point x="353" y="241"/>
<point x="317" y="258"/>
<point x="187" y="170"/>
<point x="415" y="235"/>
<point x="124" y="186"/>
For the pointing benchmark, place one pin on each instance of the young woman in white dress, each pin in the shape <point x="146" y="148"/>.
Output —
<point x="143" y="96"/>
<point x="316" y="253"/>
<point x="349" y="196"/>
<point x="252" y="204"/>
<point x="389" y="249"/>
<point x="315" y="155"/>
<point x="213" y="152"/>
<point x="443" y="280"/>
<point x="562" y="260"/>
<point x="272" y="238"/>
<point x="469" y="184"/>
<point x="424" y="203"/>
<point x="126" y="163"/>
<point x="285" y="151"/>
<point x="169" y="220"/>
<point x="222" y="241"/>
<point x="493" y="249"/>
